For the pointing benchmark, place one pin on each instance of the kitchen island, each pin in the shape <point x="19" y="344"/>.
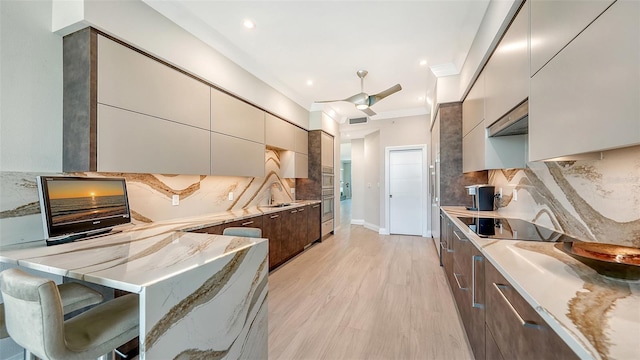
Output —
<point x="201" y="295"/>
<point x="596" y="316"/>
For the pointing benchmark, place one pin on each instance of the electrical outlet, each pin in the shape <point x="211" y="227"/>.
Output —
<point x="515" y="194"/>
<point x="230" y="195"/>
<point x="500" y="193"/>
<point x="175" y="200"/>
<point x="293" y="191"/>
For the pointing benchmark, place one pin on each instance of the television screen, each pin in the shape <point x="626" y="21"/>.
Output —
<point x="82" y="206"/>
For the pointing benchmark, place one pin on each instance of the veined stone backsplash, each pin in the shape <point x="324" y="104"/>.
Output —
<point x="149" y="197"/>
<point x="596" y="200"/>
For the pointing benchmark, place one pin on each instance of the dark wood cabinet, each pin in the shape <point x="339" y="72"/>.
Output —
<point x="468" y="290"/>
<point x="254" y="222"/>
<point x="446" y="249"/>
<point x="288" y="231"/>
<point x="492" y="352"/>
<point x="215" y="230"/>
<point x="519" y="332"/>
<point x="272" y="230"/>
<point x="313" y="223"/>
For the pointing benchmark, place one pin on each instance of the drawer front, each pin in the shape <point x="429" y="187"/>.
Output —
<point x="519" y="332"/>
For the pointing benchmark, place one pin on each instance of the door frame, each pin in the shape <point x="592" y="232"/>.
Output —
<point x="425" y="187"/>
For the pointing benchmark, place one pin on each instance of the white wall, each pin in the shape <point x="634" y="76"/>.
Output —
<point x="31" y="88"/>
<point x="372" y="181"/>
<point x="358" y="182"/>
<point x="413" y="130"/>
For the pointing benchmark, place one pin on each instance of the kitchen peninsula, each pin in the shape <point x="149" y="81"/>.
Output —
<point x="200" y="294"/>
<point x="596" y="316"/>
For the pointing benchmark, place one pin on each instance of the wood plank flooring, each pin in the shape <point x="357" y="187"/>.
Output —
<point x="361" y="295"/>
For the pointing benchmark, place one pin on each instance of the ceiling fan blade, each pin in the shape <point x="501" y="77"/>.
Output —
<point x="328" y="101"/>
<point x="381" y="95"/>
<point x="369" y="112"/>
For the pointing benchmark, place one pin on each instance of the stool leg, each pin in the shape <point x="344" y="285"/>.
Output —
<point x="28" y="355"/>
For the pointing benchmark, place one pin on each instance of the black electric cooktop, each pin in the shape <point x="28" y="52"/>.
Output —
<point x="510" y="229"/>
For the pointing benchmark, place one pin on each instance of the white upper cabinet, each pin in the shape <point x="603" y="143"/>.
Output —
<point x="301" y="141"/>
<point x="587" y="97"/>
<point x="132" y="142"/>
<point x="232" y="156"/>
<point x="294" y="165"/>
<point x="555" y="23"/>
<point x="473" y="106"/>
<point x="480" y="152"/>
<point x="507" y="72"/>
<point x="326" y="150"/>
<point x="130" y="80"/>
<point x="231" y="116"/>
<point x="279" y="133"/>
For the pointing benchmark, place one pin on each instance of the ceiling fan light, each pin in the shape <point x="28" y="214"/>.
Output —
<point x="362" y="106"/>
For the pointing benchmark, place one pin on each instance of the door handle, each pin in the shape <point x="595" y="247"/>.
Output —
<point x="522" y="321"/>
<point x="390" y="196"/>
<point x="455" y="275"/>
<point x="475" y="259"/>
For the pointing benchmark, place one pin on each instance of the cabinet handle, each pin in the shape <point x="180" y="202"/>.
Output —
<point x="457" y="234"/>
<point x="294" y="211"/>
<point x="455" y="276"/>
<point x="474" y="303"/>
<point x="523" y="322"/>
<point x="300" y="209"/>
<point x="247" y="223"/>
<point x="274" y="216"/>
<point x="316" y="206"/>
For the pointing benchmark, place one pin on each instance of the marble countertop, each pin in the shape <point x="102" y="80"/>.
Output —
<point x="598" y="317"/>
<point x="140" y="255"/>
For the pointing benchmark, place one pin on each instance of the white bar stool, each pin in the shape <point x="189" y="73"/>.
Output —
<point x="35" y="320"/>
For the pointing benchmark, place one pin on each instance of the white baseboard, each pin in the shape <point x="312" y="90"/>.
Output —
<point x="373" y="227"/>
<point x="383" y="231"/>
<point x="357" y="221"/>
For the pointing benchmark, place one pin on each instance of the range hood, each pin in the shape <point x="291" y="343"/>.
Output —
<point x="515" y="122"/>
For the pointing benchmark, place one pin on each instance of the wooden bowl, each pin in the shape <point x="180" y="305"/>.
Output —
<point x="616" y="261"/>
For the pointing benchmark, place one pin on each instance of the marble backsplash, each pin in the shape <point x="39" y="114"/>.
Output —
<point x="594" y="200"/>
<point x="150" y="197"/>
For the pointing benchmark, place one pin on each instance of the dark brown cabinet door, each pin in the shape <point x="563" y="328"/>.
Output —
<point x="291" y="244"/>
<point x="272" y="230"/>
<point x="519" y="332"/>
<point x="468" y="290"/>
<point x="254" y="222"/>
<point x="216" y="230"/>
<point x="301" y="227"/>
<point x="313" y="223"/>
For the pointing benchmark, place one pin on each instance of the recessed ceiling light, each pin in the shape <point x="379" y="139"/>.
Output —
<point x="423" y="62"/>
<point x="309" y="82"/>
<point x="249" y="24"/>
<point x="420" y="98"/>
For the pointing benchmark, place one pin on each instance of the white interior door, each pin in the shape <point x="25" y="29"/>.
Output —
<point x="406" y="189"/>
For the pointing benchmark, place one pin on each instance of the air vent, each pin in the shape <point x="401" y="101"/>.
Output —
<point x="361" y="120"/>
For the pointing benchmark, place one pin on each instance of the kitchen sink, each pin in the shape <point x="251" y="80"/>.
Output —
<point x="280" y="205"/>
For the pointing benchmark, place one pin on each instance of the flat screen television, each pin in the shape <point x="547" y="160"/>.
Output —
<point x="74" y="208"/>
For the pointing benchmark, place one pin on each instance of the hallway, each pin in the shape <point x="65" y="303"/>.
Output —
<point x="361" y="295"/>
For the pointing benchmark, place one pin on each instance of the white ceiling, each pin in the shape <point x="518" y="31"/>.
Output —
<point x="328" y="41"/>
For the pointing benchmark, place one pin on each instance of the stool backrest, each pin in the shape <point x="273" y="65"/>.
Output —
<point x="33" y="311"/>
<point x="242" y="231"/>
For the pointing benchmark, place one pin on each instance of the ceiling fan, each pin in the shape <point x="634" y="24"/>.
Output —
<point x="363" y="101"/>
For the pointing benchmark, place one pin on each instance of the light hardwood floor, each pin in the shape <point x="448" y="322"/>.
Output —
<point x="361" y="295"/>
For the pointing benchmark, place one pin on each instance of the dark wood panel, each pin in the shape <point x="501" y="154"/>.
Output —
<point x="215" y="230"/>
<point x="272" y="230"/>
<point x="492" y="352"/>
<point x="517" y="329"/>
<point x="313" y="223"/>
<point x="254" y="222"/>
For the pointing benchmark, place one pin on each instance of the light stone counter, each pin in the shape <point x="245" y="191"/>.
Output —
<point x="598" y="317"/>
<point x="201" y="295"/>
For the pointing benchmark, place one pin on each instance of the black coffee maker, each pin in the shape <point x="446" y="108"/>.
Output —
<point x="481" y="196"/>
